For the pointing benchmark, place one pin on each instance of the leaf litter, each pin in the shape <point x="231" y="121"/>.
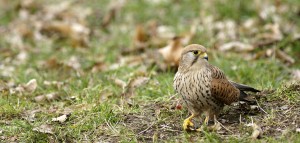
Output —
<point x="153" y="44"/>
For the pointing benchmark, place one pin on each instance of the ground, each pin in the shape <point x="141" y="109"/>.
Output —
<point x="87" y="71"/>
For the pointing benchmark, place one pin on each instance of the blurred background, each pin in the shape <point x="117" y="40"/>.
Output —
<point x="80" y="57"/>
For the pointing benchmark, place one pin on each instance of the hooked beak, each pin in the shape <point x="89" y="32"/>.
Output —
<point x="204" y="56"/>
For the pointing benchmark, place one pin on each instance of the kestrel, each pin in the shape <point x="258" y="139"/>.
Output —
<point x="203" y="87"/>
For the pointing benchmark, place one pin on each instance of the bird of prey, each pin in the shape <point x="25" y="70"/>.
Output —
<point x="203" y="87"/>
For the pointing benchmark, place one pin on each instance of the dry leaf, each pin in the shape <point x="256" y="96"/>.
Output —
<point x="99" y="66"/>
<point x="105" y="95"/>
<point x="74" y="63"/>
<point x="284" y="57"/>
<point x="129" y="61"/>
<point x="215" y="127"/>
<point x="172" y="52"/>
<point x="31" y="86"/>
<point x="257" y="131"/>
<point x="57" y="84"/>
<point x="137" y="82"/>
<point x="79" y="35"/>
<point x="51" y="63"/>
<point x="165" y="32"/>
<point x="134" y="83"/>
<point x="40" y="98"/>
<point x="3" y="87"/>
<point x="119" y="82"/>
<point x="295" y="75"/>
<point x="236" y="46"/>
<point x="226" y="30"/>
<point x="140" y="37"/>
<point x="45" y="128"/>
<point x="48" y="97"/>
<point x="60" y="119"/>
<point x="114" y="8"/>
<point x="30" y="115"/>
<point x="52" y="96"/>
<point x="21" y="57"/>
<point x="272" y="34"/>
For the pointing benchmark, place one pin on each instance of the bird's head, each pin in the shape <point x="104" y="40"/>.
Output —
<point x="193" y="56"/>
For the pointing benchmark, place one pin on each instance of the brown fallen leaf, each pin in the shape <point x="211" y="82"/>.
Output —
<point x="236" y="46"/>
<point x="284" y="57"/>
<point x="77" y="33"/>
<point x="271" y="35"/>
<point x="51" y="63"/>
<point x="113" y="9"/>
<point x="137" y="82"/>
<point x="99" y="66"/>
<point x="29" y="4"/>
<point x="132" y="85"/>
<point x="140" y="37"/>
<point x="29" y="87"/>
<point x="118" y="82"/>
<point x="172" y="52"/>
<point x="44" y="128"/>
<point x="129" y="61"/>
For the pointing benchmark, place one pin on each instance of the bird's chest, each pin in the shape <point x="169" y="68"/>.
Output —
<point x="194" y="87"/>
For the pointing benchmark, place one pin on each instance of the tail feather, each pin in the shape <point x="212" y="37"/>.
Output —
<point x="244" y="96"/>
<point x="243" y="87"/>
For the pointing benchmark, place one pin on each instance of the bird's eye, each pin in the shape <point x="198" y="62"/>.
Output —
<point x="196" y="52"/>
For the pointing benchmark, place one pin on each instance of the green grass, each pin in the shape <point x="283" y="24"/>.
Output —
<point x="150" y="116"/>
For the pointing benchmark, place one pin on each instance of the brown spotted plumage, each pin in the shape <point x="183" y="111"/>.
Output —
<point x="204" y="87"/>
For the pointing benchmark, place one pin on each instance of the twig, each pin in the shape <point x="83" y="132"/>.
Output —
<point x="110" y="126"/>
<point x="288" y="110"/>
<point x="224" y="126"/>
<point x="146" y="128"/>
<point x="240" y="118"/>
<point x="168" y="128"/>
<point x="260" y="107"/>
<point x="173" y="96"/>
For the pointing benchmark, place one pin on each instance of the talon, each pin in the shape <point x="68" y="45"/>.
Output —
<point x="206" y="120"/>
<point x="187" y="123"/>
<point x="199" y="129"/>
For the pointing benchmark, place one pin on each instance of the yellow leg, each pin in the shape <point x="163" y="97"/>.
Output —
<point x="206" y="120"/>
<point x="188" y="123"/>
<point x="205" y="124"/>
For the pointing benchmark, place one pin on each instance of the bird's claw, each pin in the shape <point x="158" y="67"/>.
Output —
<point x="187" y="124"/>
